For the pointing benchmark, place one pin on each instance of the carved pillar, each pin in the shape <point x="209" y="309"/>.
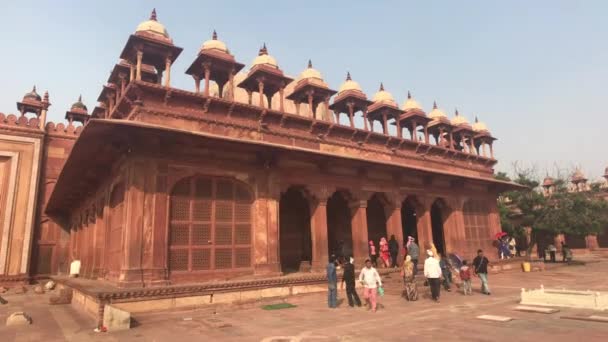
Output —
<point x="328" y="115"/>
<point x="140" y="55"/>
<point x="311" y="109"/>
<point x="231" y="82"/>
<point x="266" y="229"/>
<point x="207" y="75"/>
<point x="424" y="226"/>
<point x="451" y="140"/>
<point x="426" y="134"/>
<point x="359" y="231"/>
<point x="453" y="228"/>
<point x="365" y="119"/>
<point x="261" y="91"/>
<point x="197" y="83"/>
<point x="131" y="72"/>
<point x="384" y="124"/>
<point x="491" y="151"/>
<point x="351" y="114"/>
<point x="393" y="224"/>
<point x="318" y="227"/>
<point x="249" y="97"/>
<point x="281" y="99"/>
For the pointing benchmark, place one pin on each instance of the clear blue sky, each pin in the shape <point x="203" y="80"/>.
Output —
<point x="534" y="71"/>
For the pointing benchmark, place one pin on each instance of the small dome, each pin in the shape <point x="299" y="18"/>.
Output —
<point x="311" y="72"/>
<point x="264" y="58"/>
<point x="78" y="105"/>
<point x="383" y="96"/>
<point x="479" y="126"/>
<point x="410" y="103"/>
<point x="32" y="95"/>
<point x="436" y="113"/>
<point x="459" y="119"/>
<point x="152" y="26"/>
<point x="215" y="44"/>
<point x="578" y="176"/>
<point x="349" y="84"/>
<point x="548" y="181"/>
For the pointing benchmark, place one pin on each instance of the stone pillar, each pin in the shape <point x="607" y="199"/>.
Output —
<point x="424" y="227"/>
<point x="140" y="55"/>
<point x="454" y="231"/>
<point x="591" y="240"/>
<point x="394" y="226"/>
<point x="197" y="84"/>
<point x="281" y="99"/>
<point x="266" y="230"/>
<point x="207" y="75"/>
<point x="359" y="231"/>
<point x="318" y="227"/>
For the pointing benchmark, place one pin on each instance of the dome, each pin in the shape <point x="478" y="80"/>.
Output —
<point x="578" y="176"/>
<point x="436" y="113"/>
<point x="479" y="126"/>
<point x="152" y="26"/>
<point x="383" y="96"/>
<point x="548" y="181"/>
<point x="349" y="84"/>
<point x="78" y="105"/>
<point x="311" y="72"/>
<point x="264" y="58"/>
<point x="214" y="43"/>
<point x="410" y="103"/>
<point x="32" y="95"/>
<point x="459" y="119"/>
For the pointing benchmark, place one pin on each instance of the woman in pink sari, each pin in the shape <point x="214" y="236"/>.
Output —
<point x="384" y="253"/>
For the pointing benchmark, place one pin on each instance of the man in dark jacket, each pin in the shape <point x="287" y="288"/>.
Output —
<point x="393" y="249"/>
<point x="349" y="279"/>
<point x="332" y="283"/>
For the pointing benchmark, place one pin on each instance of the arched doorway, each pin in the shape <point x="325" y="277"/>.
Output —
<point x="438" y="215"/>
<point x="409" y="220"/>
<point x="376" y="219"/>
<point x="294" y="230"/>
<point x="210" y="227"/>
<point x="339" y="231"/>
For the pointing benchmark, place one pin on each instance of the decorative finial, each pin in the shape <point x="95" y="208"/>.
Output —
<point x="409" y="95"/>
<point x="457" y="112"/>
<point x="434" y="104"/>
<point x="214" y="37"/>
<point x="309" y="64"/>
<point x="476" y="119"/>
<point x="46" y="96"/>
<point x="34" y="89"/>
<point x="79" y="98"/>
<point x="381" y="86"/>
<point x="348" y="76"/>
<point x="263" y="50"/>
<point x="153" y="15"/>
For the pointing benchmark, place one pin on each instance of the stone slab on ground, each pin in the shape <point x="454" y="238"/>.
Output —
<point x="526" y="308"/>
<point x="495" y="318"/>
<point x="592" y="318"/>
<point x="115" y="319"/>
<point x="18" y="318"/>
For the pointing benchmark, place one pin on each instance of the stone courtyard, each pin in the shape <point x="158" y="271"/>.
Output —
<point x="454" y="319"/>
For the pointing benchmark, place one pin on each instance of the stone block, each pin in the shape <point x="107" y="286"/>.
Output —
<point x="494" y="318"/>
<point x="18" y="318"/>
<point x="38" y="289"/>
<point x="115" y="319"/>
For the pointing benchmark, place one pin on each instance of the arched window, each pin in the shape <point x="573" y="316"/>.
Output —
<point x="116" y="227"/>
<point x="209" y="225"/>
<point x="476" y="224"/>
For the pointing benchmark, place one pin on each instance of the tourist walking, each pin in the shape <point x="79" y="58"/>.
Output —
<point x="409" y="280"/>
<point x="414" y="252"/>
<point x="370" y="279"/>
<point x="373" y="255"/>
<point x="393" y="249"/>
<point x="465" y="276"/>
<point x="349" y="279"/>
<point x="480" y="265"/>
<point x="446" y="272"/>
<point x="332" y="283"/>
<point x="432" y="272"/>
<point x="384" y="253"/>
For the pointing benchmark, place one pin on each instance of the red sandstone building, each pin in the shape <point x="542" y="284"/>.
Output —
<point x="247" y="173"/>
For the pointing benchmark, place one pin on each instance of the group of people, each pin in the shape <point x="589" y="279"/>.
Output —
<point x="388" y="251"/>
<point x="551" y="250"/>
<point x="507" y="247"/>
<point x="437" y="271"/>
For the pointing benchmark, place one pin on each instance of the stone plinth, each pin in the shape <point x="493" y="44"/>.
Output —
<point x="115" y="319"/>
<point x="565" y="298"/>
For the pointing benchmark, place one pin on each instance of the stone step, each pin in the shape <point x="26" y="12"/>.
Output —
<point x="536" y="309"/>
<point x="494" y="318"/>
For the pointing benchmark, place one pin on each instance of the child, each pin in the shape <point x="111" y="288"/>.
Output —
<point x="465" y="275"/>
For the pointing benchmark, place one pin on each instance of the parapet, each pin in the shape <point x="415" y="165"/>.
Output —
<point x="60" y="129"/>
<point x="19" y="123"/>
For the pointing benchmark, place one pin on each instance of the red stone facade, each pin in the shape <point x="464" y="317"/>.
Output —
<point x="166" y="185"/>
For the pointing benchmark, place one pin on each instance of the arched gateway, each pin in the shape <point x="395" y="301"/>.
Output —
<point x="209" y="227"/>
<point x="294" y="230"/>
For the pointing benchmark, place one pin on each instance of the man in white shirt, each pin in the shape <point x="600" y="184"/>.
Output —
<point x="370" y="279"/>
<point x="432" y="272"/>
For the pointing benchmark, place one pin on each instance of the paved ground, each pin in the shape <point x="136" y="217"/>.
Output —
<point x="451" y="320"/>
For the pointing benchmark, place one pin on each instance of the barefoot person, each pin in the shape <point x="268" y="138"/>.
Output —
<point x="370" y="279"/>
<point x="432" y="272"/>
<point x="407" y="272"/>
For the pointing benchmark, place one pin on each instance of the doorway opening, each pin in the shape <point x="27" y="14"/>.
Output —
<point x="409" y="220"/>
<point x="294" y="230"/>
<point x="438" y="216"/>
<point x="339" y="231"/>
<point x="376" y="219"/>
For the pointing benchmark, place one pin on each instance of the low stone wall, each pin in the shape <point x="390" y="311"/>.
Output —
<point x="565" y="298"/>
